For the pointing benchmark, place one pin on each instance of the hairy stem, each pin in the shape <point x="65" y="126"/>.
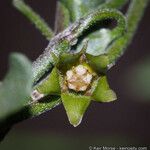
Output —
<point x="40" y="24"/>
<point x="134" y="15"/>
<point x="66" y="39"/>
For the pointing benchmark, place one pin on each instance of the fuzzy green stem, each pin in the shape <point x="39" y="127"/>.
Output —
<point x="134" y="15"/>
<point x="78" y="9"/>
<point x="40" y="24"/>
<point x="66" y="39"/>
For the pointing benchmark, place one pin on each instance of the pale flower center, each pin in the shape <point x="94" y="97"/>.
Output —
<point x="78" y="78"/>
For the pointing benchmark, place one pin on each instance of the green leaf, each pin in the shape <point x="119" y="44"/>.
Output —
<point x="75" y="106"/>
<point x="51" y="84"/>
<point x="16" y="88"/>
<point x="99" y="41"/>
<point x="102" y="92"/>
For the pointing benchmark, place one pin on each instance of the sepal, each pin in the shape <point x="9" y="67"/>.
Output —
<point x="51" y="84"/>
<point x="75" y="106"/>
<point x="102" y="92"/>
<point x="98" y="63"/>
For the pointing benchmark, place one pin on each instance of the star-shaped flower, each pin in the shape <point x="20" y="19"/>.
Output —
<point x="78" y="78"/>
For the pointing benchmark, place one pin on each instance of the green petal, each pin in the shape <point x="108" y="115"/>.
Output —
<point x="67" y="60"/>
<point x="51" y="84"/>
<point x="102" y="92"/>
<point x="75" y="107"/>
<point x="98" y="63"/>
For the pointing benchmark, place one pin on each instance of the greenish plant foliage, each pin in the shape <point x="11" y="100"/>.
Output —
<point x="84" y="41"/>
<point x="16" y="87"/>
<point x="102" y="92"/>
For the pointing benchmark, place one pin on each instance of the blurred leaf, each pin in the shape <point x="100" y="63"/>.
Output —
<point x="16" y="87"/>
<point x="103" y="93"/>
<point x="75" y="106"/>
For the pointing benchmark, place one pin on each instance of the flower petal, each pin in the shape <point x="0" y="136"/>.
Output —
<point x="75" y="106"/>
<point x="102" y="92"/>
<point x="98" y="63"/>
<point x="51" y="84"/>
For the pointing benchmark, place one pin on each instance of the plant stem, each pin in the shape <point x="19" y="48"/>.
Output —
<point x="40" y="24"/>
<point x="134" y="15"/>
<point x="64" y="40"/>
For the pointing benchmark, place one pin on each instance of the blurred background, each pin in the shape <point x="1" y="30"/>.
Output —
<point x="123" y="122"/>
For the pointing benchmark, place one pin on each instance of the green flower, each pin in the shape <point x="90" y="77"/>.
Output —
<point x="78" y="78"/>
<point x="79" y="67"/>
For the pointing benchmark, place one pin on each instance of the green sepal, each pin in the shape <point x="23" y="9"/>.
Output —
<point x="98" y="63"/>
<point x="102" y="92"/>
<point x="50" y="85"/>
<point x="75" y="106"/>
<point x="67" y="60"/>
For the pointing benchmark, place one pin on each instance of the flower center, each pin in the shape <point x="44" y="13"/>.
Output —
<point x="78" y="78"/>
